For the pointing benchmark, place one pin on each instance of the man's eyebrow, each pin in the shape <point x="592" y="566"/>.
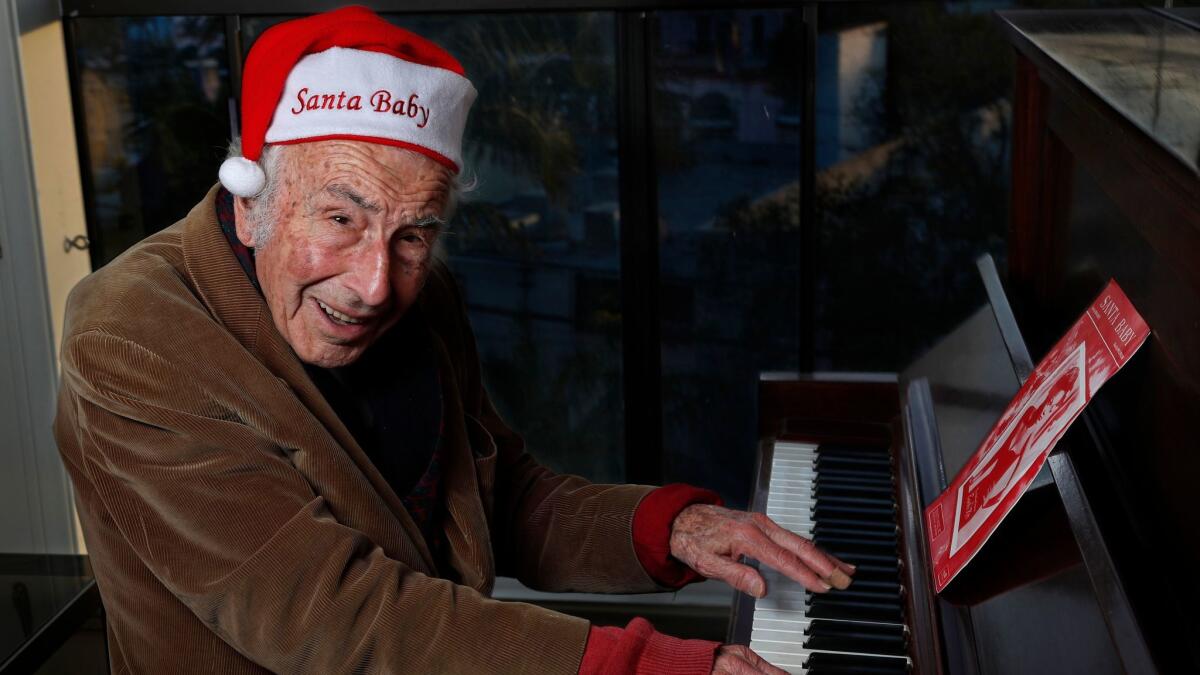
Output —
<point x="345" y="192"/>
<point x="431" y="221"/>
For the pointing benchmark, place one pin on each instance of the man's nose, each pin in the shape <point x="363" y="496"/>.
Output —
<point x="371" y="277"/>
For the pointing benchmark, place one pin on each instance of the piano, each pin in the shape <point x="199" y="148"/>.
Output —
<point x="1097" y="569"/>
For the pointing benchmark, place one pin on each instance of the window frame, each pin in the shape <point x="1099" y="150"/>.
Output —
<point x="641" y="371"/>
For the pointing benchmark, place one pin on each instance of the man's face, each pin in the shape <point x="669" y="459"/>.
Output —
<point x="352" y="244"/>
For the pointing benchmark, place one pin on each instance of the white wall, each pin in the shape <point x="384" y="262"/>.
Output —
<point x="36" y="514"/>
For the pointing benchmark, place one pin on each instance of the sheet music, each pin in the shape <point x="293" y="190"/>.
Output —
<point x="984" y="491"/>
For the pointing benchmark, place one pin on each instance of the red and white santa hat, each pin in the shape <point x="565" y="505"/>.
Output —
<point x="348" y="74"/>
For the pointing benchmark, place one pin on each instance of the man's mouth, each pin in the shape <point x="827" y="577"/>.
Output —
<point x="339" y="317"/>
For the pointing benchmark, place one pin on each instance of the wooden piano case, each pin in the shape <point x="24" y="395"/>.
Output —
<point x="1098" y="570"/>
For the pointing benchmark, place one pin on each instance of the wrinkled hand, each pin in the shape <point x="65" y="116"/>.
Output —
<point x="739" y="660"/>
<point x="710" y="539"/>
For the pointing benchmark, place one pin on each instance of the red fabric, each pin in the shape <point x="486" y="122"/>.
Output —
<point x="283" y="45"/>
<point x="652" y="531"/>
<point x="638" y="649"/>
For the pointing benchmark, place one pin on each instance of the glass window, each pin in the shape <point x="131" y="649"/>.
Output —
<point x="726" y="99"/>
<point x="155" y="92"/>
<point x="913" y="120"/>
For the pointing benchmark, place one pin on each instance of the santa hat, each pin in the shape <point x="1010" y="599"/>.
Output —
<point x="348" y="74"/>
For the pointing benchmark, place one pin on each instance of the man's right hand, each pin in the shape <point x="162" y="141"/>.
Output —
<point x="739" y="660"/>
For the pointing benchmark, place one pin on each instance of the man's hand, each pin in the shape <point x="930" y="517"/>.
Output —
<point x="710" y="539"/>
<point x="739" y="660"/>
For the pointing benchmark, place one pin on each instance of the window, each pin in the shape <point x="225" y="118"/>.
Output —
<point x="909" y="183"/>
<point x="154" y="96"/>
<point x="729" y="222"/>
<point x="913" y="106"/>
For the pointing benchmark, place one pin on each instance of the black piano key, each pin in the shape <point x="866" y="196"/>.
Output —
<point x="827" y="627"/>
<point x="855" y="594"/>
<point x="877" y="490"/>
<point x="875" y="530"/>
<point x="844" y="474"/>
<point x="849" y="475"/>
<point x="825" y="662"/>
<point x="833" y="476"/>
<point x="857" y="501"/>
<point x="853" y="489"/>
<point x="851" y="457"/>
<point x="868" y="572"/>
<point x="878" y="569"/>
<point x="877" y="537"/>
<point x="885" y="515"/>
<point x="853" y="541"/>
<point x="890" y="587"/>
<point x="859" y="558"/>
<point x="822" y="608"/>
<point x="861" y="576"/>
<point x="848" y="636"/>
<point x="850" y="469"/>
<point x="860" y="524"/>
<point x="856" y="546"/>
<point x="864" y="535"/>
<point x="852" y="451"/>
<point x="854" y="462"/>
<point x="850" y="472"/>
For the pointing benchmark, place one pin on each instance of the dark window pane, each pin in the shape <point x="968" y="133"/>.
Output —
<point x="913" y="127"/>
<point x="535" y="243"/>
<point x="726" y="104"/>
<point x="155" y="100"/>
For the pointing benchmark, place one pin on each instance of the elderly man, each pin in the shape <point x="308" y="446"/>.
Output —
<point x="284" y="458"/>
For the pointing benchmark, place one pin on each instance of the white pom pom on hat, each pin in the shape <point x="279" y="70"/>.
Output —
<point x="347" y="74"/>
<point x="242" y="177"/>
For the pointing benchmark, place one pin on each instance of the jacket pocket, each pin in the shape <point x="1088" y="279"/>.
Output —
<point x="483" y="451"/>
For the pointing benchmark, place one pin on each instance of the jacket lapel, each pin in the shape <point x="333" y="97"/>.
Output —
<point x="233" y="300"/>
<point x="465" y="523"/>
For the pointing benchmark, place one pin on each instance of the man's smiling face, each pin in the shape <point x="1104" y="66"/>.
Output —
<point x="355" y="225"/>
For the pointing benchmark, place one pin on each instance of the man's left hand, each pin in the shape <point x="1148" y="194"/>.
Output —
<point x="710" y="539"/>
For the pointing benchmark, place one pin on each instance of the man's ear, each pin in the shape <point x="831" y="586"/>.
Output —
<point x="245" y="233"/>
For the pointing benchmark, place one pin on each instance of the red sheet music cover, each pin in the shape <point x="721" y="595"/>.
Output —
<point x="966" y="514"/>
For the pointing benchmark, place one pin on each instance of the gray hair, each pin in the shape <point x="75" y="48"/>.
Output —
<point x="261" y="215"/>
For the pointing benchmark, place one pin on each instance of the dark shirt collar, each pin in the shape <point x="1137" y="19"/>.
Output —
<point x="228" y="222"/>
<point x="390" y="398"/>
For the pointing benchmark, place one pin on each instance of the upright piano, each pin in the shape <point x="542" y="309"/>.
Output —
<point x="1097" y="569"/>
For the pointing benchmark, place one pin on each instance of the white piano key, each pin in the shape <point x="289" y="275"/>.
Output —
<point x="789" y="445"/>
<point x="766" y="647"/>
<point x="780" y="618"/>
<point x="788" y="643"/>
<point x="798" y="624"/>
<point x="803" y="618"/>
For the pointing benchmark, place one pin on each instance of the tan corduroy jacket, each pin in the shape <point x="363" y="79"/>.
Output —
<point x="235" y="526"/>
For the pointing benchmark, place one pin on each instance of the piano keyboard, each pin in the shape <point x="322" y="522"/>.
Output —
<point x="842" y="498"/>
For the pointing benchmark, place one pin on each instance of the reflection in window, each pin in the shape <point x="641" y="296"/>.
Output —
<point x="535" y="244"/>
<point x="155" y="99"/>
<point x="726" y="102"/>
<point x="913" y="119"/>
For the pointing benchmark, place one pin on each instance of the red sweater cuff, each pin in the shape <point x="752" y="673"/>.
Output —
<point x="638" y="649"/>
<point x="652" y="531"/>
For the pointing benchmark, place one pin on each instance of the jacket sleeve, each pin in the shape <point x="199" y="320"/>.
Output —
<point x="554" y="532"/>
<point x="223" y="520"/>
<point x="558" y="532"/>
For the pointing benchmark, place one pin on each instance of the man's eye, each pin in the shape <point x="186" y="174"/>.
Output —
<point x="341" y="220"/>
<point x="412" y="239"/>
